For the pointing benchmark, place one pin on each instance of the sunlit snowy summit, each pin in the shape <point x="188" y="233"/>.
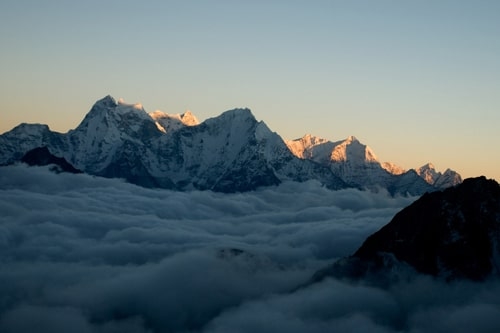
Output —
<point x="232" y="152"/>
<point x="357" y="165"/>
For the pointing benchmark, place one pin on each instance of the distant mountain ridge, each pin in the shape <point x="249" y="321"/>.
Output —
<point x="228" y="153"/>
<point x="357" y="165"/>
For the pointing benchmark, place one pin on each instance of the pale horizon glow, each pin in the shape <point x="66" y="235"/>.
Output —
<point x="415" y="81"/>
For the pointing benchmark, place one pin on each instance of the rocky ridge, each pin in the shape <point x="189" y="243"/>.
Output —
<point x="450" y="234"/>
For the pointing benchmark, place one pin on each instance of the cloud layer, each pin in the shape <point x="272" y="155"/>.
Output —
<point x="86" y="254"/>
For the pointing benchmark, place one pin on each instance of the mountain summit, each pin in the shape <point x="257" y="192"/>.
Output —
<point x="167" y="123"/>
<point x="440" y="180"/>
<point x="230" y="152"/>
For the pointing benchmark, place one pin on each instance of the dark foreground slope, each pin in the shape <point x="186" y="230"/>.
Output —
<point x="41" y="156"/>
<point x="451" y="234"/>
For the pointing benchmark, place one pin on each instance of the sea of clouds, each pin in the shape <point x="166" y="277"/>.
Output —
<point x="86" y="254"/>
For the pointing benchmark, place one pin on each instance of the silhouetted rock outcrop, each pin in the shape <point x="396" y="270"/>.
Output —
<point x="41" y="156"/>
<point x="451" y="234"/>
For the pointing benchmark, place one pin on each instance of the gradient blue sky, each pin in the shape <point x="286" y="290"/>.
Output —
<point x="417" y="81"/>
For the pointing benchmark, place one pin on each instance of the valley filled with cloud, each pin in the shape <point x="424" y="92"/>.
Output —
<point x="86" y="254"/>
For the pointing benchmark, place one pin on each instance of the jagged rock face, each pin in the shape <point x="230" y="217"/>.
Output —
<point x="452" y="234"/>
<point x="41" y="156"/>
<point x="409" y="182"/>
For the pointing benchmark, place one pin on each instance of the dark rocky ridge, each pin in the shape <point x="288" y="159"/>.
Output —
<point x="41" y="156"/>
<point x="450" y="234"/>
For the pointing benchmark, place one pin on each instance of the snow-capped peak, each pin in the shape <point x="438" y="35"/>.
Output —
<point x="240" y="113"/>
<point x="137" y="106"/>
<point x="123" y="107"/>
<point x="189" y="119"/>
<point x="440" y="180"/>
<point x="427" y="166"/>
<point x="109" y="106"/>
<point x="392" y="168"/>
<point x="170" y="122"/>
<point x="107" y="101"/>
<point x="309" y="146"/>
<point x="235" y="118"/>
<point x="322" y="150"/>
<point x="309" y="140"/>
<point x="350" y="139"/>
<point x="353" y="150"/>
<point x="428" y="173"/>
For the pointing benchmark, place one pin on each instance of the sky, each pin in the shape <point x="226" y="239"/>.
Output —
<point x="417" y="81"/>
<point x="91" y="255"/>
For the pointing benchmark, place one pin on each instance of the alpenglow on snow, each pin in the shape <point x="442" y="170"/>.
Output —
<point x="229" y="153"/>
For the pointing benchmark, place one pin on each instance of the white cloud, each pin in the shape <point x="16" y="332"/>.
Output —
<point x="101" y="255"/>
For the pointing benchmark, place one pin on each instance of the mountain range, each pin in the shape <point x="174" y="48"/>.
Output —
<point x="357" y="165"/>
<point x="232" y="152"/>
